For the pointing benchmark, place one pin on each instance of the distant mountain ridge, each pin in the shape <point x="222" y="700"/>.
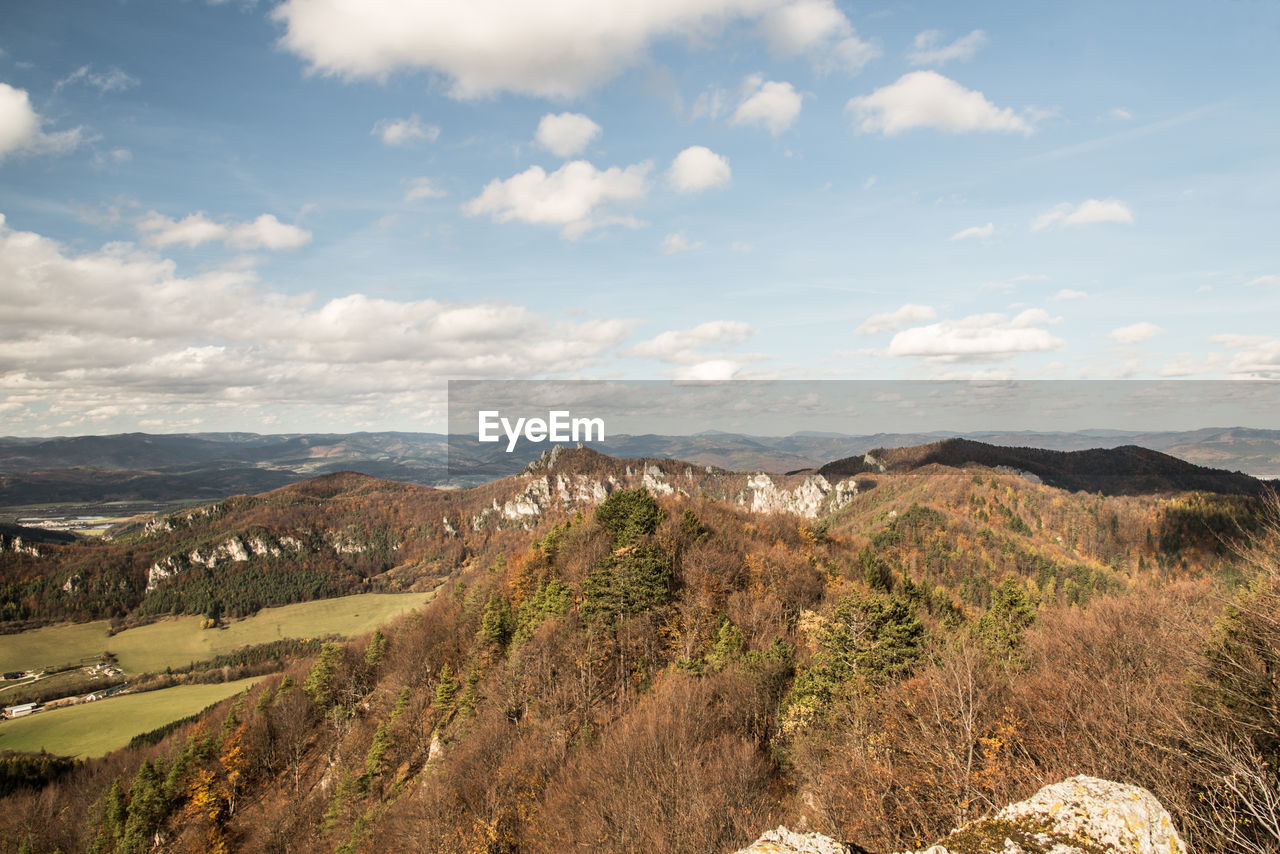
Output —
<point x="208" y="466"/>
<point x="1126" y="470"/>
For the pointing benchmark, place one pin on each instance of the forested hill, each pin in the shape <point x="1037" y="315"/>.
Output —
<point x="1127" y="470"/>
<point x="347" y="532"/>
<point x="634" y="656"/>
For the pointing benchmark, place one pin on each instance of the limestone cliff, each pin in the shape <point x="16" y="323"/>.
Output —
<point x="1082" y="815"/>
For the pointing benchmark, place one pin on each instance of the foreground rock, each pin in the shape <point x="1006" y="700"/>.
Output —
<point x="1082" y="815"/>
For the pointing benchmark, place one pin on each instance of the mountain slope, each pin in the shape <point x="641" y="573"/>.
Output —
<point x="1126" y="470"/>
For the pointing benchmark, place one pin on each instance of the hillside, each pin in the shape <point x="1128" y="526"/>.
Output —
<point x="636" y="656"/>
<point x="1126" y="470"/>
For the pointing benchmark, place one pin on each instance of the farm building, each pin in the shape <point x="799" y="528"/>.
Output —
<point x="21" y="711"/>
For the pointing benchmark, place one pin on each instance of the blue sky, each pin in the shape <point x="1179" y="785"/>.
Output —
<point x="291" y="216"/>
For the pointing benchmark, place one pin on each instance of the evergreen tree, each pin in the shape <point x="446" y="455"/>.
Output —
<point x="628" y="515"/>
<point x="147" y="808"/>
<point x="1005" y="622"/>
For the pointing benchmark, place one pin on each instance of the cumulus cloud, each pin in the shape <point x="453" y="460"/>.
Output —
<point x="22" y="128"/>
<point x="770" y="104"/>
<point x="118" y="328"/>
<point x="709" y="371"/>
<point x="981" y="232"/>
<point x="977" y="338"/>
<point x="698" y="168"/>
<point x="405" y="131"/>
<point x="423" y="188"/>
<point x="677" y="242"/>
<point x="265" y="232"/>
<point x="566" y="134"/>
<point x="684" y="346"/>
<point x="556" y="48"/>
<point x="572" y="197"/>
<point x="818" y="28"/>
<point x="1086" y="213"/>
<point x="1254" y="356"/>
<point x="1068" y="293"/>
<point x="112" y="80"/>
<point x="927" y="47"/>
<point x="894" y="320"/>
<point x="926" y="99"/>
<point x="1135" y="333"/>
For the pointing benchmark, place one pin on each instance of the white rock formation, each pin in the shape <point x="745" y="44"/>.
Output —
<point x="234" y="549"/>
<point x="1082" y="815"/>
<point x="783" y="841"/>
<point x="655" y="481"/>
<point x="811" y="497"/>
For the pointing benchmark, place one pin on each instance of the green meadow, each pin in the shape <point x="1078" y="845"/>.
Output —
<point x="178" y="641"/>
<point x="92" y="729"/>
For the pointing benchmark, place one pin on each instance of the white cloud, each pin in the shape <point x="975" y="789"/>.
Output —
<point x="405" y="131"/>
<point x="741" y="246"/>
<point x="1264" y="280"/>
<point x="1119" y="114"/>
<point x="927" y="47"/>
<point x="770" y="104"/>
<point x="977" y="338"/>
<point x="112" y="80"/>
<point x="85" y="332"/>
<point x="818" y="28"/>
<point x="1255" y="356"/>
<point x="893" y="320"/>
<point x="423" y="188"/>
<point x="1068" y="293"/>
<point x="265" y="232"/>
<point x="926" y="99"/>
<point x="566" y="134"/>
<point x="1086" y="213"/>
<point x="682" y="346"/>
<point x="570" y="197"/>
<point x="677" y="242"/>
<point x="979" y="231"/>
<point x="698" y="168"/>
<point x="556" y="48"/>
<point x="710" y="371"/>
<point x="21" y="127"/>
<point x="1135" y="332"/>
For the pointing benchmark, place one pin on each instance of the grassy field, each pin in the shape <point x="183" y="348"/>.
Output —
<point x="178" y="641"/>
<point x="93" y="729"/>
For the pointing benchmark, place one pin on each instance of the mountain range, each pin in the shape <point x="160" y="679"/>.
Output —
<point x="208" y="466"/>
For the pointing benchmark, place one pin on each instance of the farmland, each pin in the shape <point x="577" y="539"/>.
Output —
<point x="176" y="642"/>
<point x="92" y="729"/>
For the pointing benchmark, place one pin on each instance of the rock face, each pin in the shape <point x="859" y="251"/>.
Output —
<point x="1082" y="815"/>
<point x="783" y="841"/>
<point x="813" y="496"/>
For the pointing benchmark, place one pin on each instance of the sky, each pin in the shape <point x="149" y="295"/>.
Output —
<point x="309" y="215"/>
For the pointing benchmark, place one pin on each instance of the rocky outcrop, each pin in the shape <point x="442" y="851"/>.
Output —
<point x="811" y="497"/>
<point x="543" y="492"/>
<point x="1082" y="815"/>
<point x="234" y="549"/>
<point x="160" y="525"/>
<point x="15" y="544"/>
<point x="783" y="841"/>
